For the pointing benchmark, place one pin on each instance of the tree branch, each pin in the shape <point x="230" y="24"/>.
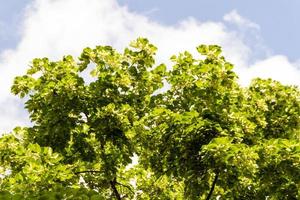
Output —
<point x="212" y="186"/>
<point x="113" y="186"/>
<point x="88" y="171"/>
<point x="128" y="187"/>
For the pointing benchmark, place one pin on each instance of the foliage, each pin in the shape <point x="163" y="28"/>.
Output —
<point x="204" y="137"/>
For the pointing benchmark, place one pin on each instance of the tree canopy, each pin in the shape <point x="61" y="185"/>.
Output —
<point x="202" y="136"/>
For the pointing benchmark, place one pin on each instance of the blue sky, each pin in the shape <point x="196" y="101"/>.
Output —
<point x="11" y="14"/>
<point x="279" y="19"/>
<point x="259" y="37"/>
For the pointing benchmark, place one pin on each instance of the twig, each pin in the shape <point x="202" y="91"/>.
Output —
<point x="128" y="187"/>
<point x="113" y="186"/>
<point x="88" y="171"/>
<point x="213" y="186"/>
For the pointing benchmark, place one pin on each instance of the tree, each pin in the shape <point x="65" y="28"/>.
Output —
<point x="205" y="137"/>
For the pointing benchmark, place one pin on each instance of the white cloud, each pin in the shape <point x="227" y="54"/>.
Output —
<point x="54" y="28"/>
<point x="235" y="18"/>
<point x="276" y="67"/>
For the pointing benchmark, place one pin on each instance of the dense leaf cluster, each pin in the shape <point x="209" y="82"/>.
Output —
<point x="196" y="133"/>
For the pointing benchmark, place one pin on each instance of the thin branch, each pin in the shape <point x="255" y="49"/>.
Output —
<point x="113" y="186"/>
<point x="88" y="171"/>
<point x="112" y="183"/>
<point x="128" y="187"/>
<point x="213" y="186"/>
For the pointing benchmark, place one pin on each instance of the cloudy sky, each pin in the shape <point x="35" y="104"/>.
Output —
<point x="260" y="37"/>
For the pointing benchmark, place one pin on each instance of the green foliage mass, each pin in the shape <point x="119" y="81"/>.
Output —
<point x="202" y="137"/>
